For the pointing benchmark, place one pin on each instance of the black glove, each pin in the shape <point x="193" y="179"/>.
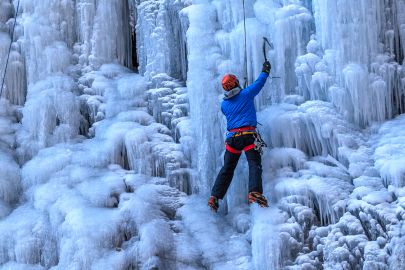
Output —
<point x="266" y="67"/>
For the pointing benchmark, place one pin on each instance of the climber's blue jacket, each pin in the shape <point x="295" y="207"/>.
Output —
<point x="239" y="108"/>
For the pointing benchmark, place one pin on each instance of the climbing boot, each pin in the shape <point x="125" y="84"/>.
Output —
<point x="213" y="203"/>
<point x="256" y="197"/>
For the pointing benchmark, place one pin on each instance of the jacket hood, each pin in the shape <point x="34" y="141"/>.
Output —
<point x="231" y="93"/>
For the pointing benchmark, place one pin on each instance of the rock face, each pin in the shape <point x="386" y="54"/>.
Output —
<point x="111" y="134"/>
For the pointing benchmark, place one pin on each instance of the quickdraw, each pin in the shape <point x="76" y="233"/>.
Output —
<point x="259" y="143"/>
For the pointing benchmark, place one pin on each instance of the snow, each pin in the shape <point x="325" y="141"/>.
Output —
<point x="103" y="168"/>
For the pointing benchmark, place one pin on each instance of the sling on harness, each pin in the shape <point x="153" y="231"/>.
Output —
<point x="259" y="143"/>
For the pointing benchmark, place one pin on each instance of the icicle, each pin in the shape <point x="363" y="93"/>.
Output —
<point x="51" y="115"/>
<point x="15" y="82"/>
<point x="292" y="34"/>
<point x="111" y="36"/>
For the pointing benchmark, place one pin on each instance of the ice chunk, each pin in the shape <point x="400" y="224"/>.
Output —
<point x="389" y="152"/>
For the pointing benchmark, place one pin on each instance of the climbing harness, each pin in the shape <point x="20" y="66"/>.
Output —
<point x="257" y="145"/>
<point x="9" y="48"/>
<point x="243" y="133"/>
<point x="236" y="151"/>
<point x="241" y="129"/>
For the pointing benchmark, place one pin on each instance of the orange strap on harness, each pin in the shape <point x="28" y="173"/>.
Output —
<point x="238" y="152"/>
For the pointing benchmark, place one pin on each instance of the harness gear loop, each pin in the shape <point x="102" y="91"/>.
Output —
<point x="259" y="143"/>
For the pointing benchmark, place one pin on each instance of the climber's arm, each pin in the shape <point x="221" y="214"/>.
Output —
<point x="255" y="87"/>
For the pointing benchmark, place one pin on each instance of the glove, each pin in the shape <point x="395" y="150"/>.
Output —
<point x="266" y="67"/>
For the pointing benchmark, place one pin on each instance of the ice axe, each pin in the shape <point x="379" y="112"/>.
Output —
<point x="267" y="42"/>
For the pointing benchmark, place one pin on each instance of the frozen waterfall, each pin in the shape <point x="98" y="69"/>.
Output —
<point x="111" y="134"/>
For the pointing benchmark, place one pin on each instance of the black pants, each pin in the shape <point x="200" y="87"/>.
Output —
<point x="225" y="176"/>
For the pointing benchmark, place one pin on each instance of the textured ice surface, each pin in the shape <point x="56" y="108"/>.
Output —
<point x="102" y="168"/>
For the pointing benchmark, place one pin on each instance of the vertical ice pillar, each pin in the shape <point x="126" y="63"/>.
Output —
<point x="152" y="46"/>
<point x="85" y="13"/>
<point x="399" y="7"/>
<point x="353" y="32"/>
<point x="47" y="38"/>
<point x="15" y="83"/>
<point x="51" y="114"/>
<point x="10" y="171"/>
<point x="203" y="91"/>
<point x="111" y="34"/>
<point x="104" y="32"/>
<point x="177" y="27"/>
<point x="359" y="48"/>
<point x="266" y="252"/>
<point x="293" y="28"/>
<point x="6" y="12"/>
<point x="161" y="39"/>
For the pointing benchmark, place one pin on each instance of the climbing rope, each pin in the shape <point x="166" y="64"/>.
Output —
<point x="265" y="42"/>
<point x="245" y="58"/>
<point x="9" y="48"/>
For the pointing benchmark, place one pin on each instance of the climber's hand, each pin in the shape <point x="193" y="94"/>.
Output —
<point x="266" y="67"/>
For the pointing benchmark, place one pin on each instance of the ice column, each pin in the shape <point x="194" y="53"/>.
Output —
<point x="292" y="26"/>
<point x="51" y="113"/>
<point x="103" y="29"/>
<point x="203" y="91"/>
<point x="161" y="38"/>
<point x="152" y="45"/>
<point x="111" y="34"/>
<point x="10" y="171"/>
<point x="367" y="85"/>
<point x="15" y="83"/>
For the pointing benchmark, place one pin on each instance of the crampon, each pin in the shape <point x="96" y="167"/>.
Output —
<point x="213" y="203"/>
<point x="256" y="197"/>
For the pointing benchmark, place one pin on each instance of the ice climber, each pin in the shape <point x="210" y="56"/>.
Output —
<point x="239" y="110"/>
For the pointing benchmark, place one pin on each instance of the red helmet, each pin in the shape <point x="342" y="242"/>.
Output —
<point x="229" y="82"/>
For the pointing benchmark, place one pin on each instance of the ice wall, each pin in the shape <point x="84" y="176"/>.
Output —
<point x="14" y="79"/>
<point x="99" y="160"/>
<point x="84" y="139"/>
<point x="341" y="72"/>
<point x="10" y="173"/>
<point x="161" y="42"/>
<point x="12" y="95"/>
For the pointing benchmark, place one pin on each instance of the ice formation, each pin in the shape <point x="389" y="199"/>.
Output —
<point x="111" y="134"/>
